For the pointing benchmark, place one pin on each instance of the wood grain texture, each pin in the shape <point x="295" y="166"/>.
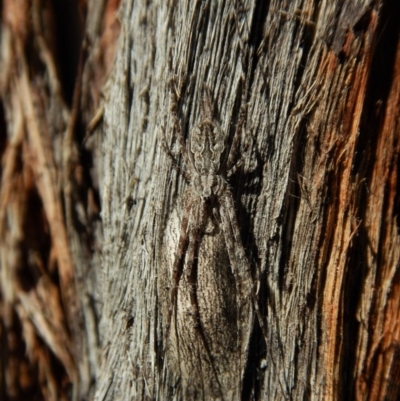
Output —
<point x="316" y="201"/>
<point x="298" y="209"/>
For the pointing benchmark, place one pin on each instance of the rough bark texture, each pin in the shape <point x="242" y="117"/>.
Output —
<point x="84" y="301"/>
<point x="49" y="210"/>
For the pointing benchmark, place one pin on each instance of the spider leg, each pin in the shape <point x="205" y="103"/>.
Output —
<point x="175" y="94"/>
<point x="216" y="215"/>
<point x="229" y="220"/>
<point x="242" y="287"/>
<point x="235" y="167"/>
<point x="177" y="268"/>
<point x="233" y="151"/>
<point x="195" y="236"/>
<point x="242" y="159"/>
<point x="174" y="162"/>
<point x="246" y="57"/>
<point x="206" y="108"/>
<point x="230" y="244"/>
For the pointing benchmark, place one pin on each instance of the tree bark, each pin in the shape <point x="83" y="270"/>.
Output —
<point x="90" y="221"/>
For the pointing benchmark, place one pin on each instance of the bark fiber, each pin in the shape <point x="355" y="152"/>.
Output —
<point x="86" y="240"/>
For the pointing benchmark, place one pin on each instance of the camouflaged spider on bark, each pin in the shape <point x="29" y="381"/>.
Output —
<point x="208" y="161"/>
<point x="207" y="164"/>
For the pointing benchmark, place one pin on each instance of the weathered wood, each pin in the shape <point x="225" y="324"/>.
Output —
<point x="299" y="210"/>
<point x="316" y="199"/>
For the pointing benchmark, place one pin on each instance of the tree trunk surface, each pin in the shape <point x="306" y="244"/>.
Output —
<point x="122" y="278"/>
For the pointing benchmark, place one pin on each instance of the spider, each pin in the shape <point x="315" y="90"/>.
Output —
<point x="208" y="163"/>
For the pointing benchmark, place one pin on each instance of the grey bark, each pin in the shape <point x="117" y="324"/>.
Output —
<point x="85" y="302"/>
<point x="292" y="206"/>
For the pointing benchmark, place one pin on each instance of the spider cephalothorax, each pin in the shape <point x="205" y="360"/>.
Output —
<point x="207" y="146"/>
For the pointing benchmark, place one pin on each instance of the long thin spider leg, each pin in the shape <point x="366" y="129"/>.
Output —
<point x="177" y="125"/>
<point x="195" y="236"/>
<point x="232" y="157"/>
<point x="206" y="108"/>
<point x="237" y="5"/>
<point x="233" y="151"/>
<point x="174" y="162"/>
<point x="241" y="292"/>
<point x="177" y="268"/>
<point x="245" y="155"/>
<point x="228" y="208"/>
